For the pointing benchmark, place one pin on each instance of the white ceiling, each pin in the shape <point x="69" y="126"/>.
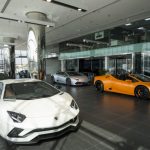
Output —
<point x="69" y="23"/>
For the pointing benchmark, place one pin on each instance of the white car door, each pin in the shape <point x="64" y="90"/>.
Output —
<point x="62" y="77"/>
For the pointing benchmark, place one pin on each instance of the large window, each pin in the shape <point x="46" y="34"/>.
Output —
<point x="21" y="60"/>
<point x="4" y="60"/>
<point x="123" y="62"/>
<point x="146" y="66"/>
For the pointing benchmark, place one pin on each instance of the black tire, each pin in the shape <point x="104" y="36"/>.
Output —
<point x="52" y="80"/>
<point x="12" y="146"/>
<point x="142" y="92"/>
<point x="99" y="86"/>
<point x="3" y="144"/>
<point x="68" y="82"/>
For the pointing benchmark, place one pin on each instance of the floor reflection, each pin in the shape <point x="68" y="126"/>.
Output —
<point x="117" y="113"/>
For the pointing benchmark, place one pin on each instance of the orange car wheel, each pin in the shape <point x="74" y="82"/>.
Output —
<point x="142" y="92"/>
<point x="99" y="86"/>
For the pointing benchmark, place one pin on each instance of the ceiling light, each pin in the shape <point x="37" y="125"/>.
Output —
<point x="47" y="26"/>
<point x="5" y="45"/>
<point x="79" y="9"/>
<point x="94" y="42"/>
<point x="28" y="21"/>
<point x="20" y="21"/>
<point x="147" y="19"/>
<point x="128" y="24"/>
<point x="57" y="2"/>
<point x="52" y="55"/>
<point x="141" y="28"/>
<point x="84" y="40"/>
<point x="77" y="45"/>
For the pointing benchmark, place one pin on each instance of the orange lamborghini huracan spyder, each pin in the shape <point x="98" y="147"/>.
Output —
<point x="130" y="84"/>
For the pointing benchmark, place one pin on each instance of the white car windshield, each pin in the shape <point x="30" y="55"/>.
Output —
<point x="29" y="90"/>
<point x="73" y="73"/>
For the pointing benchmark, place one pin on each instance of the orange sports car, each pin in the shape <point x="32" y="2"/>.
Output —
<point x="130" y="84"/>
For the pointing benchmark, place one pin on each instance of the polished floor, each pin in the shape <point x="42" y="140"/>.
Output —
<point x="111" y="117"/>
<point x="123" y="115"/>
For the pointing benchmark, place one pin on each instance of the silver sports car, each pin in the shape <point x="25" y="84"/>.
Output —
<point x="70" y="78"/>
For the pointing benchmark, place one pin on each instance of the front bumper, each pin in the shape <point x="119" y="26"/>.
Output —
<point x="81" y="83"/>
<point x="36" y="135"/>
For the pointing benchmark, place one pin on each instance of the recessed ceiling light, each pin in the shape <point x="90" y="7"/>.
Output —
<point x="79" y="9"/>
<point x="47" y="26"/>
<point x="147" y="19"/>
<point x="84" y="40"/>
<point x="141" y="28"/>
<point x="128" y="24"/>
<point x="21" y="21"/>
<point x="57" y="2"/>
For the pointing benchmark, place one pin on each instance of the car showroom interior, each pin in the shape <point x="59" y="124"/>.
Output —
<point x="74" y="75"/>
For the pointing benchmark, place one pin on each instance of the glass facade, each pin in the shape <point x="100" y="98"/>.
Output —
<point x="137" y="32"/>
<point x="126" y="46"/>
<point x="21" y="60"/>
<point x="146" y="63"/>
<point x="122" y="62"/>
<point x="4" y="60"/>
<point x="1" y="61"/>
<point x="72" y="65"/>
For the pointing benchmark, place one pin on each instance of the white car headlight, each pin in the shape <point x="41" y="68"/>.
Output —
<point x="16" y="117"/>
<point x="76" y="79"/>
<point x="73" y="104"/>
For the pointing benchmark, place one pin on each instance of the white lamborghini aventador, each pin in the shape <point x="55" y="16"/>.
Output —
<point x="31" y="110"/>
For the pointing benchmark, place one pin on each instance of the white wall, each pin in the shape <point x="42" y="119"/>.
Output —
<point x="52" y="65"/>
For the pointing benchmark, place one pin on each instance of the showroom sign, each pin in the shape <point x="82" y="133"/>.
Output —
<point x="99" y="35"/>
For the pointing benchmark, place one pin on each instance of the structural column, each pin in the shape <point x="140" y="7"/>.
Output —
<point x="106" y="62"/>
<point x="137" y="63"/>
<point x="36" y="45"/>
<point x="12" y="62"/>
<point x="63" y="65"/>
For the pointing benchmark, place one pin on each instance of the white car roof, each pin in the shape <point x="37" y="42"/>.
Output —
<point x="9" y="81"/>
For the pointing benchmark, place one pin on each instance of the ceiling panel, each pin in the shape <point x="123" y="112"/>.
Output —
<point x="89" y="5"/>
<point x="2" y="3"/>
<point x="69" y="23"/>
<point x="110" y="16"/>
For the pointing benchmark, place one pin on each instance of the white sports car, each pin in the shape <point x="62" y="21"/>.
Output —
<point x="70" y="78"/>
<point x="31" y="110"/>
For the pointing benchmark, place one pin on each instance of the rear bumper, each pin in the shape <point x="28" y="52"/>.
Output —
<point x="36" y="135"/>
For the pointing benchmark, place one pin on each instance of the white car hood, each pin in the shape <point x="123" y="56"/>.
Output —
<point x="83" y="78"/>
<point x="43" y="107"/>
